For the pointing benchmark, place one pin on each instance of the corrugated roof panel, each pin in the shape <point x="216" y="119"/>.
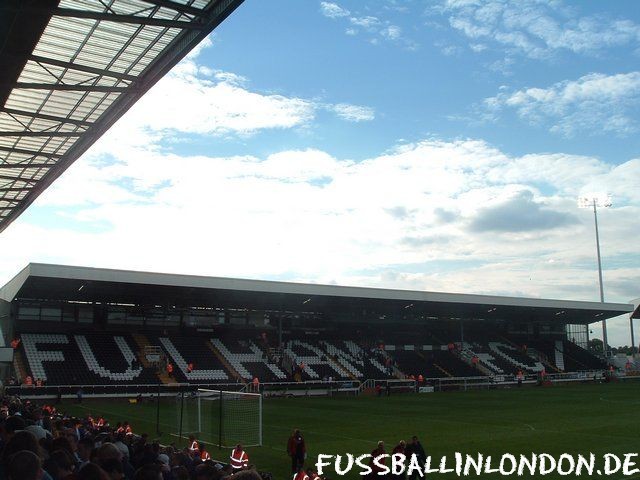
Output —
<point x="80" y="68"/>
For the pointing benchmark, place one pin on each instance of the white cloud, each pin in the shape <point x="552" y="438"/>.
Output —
<point x="306" y="215"/>
<point x="392" y="32"/>
<point x="333" y="10"/>
<point x="595" y="103"/>
<point x="375" y="28"/>
<point x="368" y="22"/>
<point x="193" y="99"/>
<point x="537" y="29"/>
<point x="354" y="113"/>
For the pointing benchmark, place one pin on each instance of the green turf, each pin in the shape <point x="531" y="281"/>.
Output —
<point x="575" y="419"/>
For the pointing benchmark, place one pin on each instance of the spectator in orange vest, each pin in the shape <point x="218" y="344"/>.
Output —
<point x="239" y="458"/>
<point x="313" y="475"/>
<point x="204" y="455"/>
<point x="194" y="446"/>
<point x="301" y="475"/>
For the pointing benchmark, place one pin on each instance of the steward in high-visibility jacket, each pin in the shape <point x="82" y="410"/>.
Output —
<point x="204" y="455"/>
<point x="194" y="446"/>
<point x="239" y="458"/>
<point x="301" y="475"/>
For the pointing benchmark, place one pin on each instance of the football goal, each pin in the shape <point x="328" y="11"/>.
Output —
<point x="220" y="418"/>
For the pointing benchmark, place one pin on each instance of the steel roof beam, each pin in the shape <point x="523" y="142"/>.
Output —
<point x="28" y="133"/>
<point x="82" y="68"/>
<point x="44" y="116"/>
<point x="107" y="17"/>
<point x="17" y="179"/>
<point x="27" y="165"/>
<point x="65" y="87"/>
<point x="178" y="7"/>
<point x="25" y="151"/>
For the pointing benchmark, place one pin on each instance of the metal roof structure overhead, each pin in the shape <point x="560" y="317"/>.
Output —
<point x="70" y="68"/>
<point x="43" y="282"/>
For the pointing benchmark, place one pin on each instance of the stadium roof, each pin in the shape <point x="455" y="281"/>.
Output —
<point x="70" y="68"/>
<point x="59" y="282"/>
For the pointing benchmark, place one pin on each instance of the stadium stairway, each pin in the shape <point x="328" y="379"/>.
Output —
<point x="442" y="370"/>
<point x="550" y="366"/>
<point x="345" y="371"/>
<point x="559" y="354"/>
<point x="142" y="342"/>
<point x="467" y="355"/>
<point x="232" y="371"/>
<point x="506" y="349"/>
<point x="19" y="365"/>
<point x="435" y="364"/>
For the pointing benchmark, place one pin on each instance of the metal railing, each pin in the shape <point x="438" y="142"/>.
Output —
<point x="307" y="388"/>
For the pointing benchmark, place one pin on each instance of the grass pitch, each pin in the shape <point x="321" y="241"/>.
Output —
<point x="576" y="419"/>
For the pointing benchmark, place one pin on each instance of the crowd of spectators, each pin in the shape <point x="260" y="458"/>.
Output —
<point x="39" y="443"/>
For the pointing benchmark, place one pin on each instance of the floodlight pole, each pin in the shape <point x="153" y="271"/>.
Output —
<point x="595" y="218"/>
<point x="633" y="341"/>
<point x="605" y="344"/>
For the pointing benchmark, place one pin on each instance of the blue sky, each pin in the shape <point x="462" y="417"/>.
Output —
<point x="404" y="144"/>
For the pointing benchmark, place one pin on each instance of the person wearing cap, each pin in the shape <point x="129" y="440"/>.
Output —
<point x="239" y="458"/>
<point x="163" y="460"/>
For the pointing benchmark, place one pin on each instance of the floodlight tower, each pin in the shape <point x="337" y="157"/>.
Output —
<point x="595" y="201"/>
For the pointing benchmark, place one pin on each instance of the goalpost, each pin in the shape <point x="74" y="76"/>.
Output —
<point x="221" y="418"/>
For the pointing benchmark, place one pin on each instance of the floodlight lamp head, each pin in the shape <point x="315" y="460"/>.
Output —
<point x="595" y="199"/>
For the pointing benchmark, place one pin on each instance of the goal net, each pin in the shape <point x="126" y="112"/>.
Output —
<point x="221" y="418"/>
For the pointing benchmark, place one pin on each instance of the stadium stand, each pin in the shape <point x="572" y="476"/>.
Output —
<point x="577" y="358"/>
<point x="98" y="328"/>
<point x="227" y="357"/>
